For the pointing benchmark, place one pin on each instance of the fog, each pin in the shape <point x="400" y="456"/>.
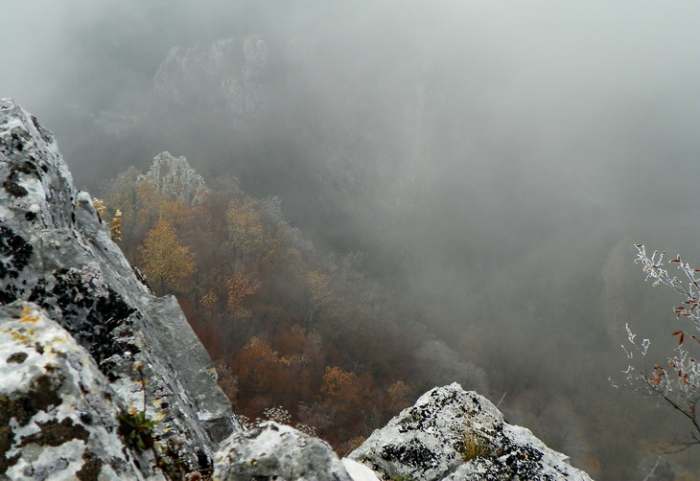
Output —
<point x="494" y="160"/>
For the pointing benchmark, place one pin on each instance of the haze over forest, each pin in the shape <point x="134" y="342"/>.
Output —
<point x="489" y="164"/>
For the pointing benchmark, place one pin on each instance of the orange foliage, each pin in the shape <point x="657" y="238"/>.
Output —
<point x="240" y="287"/>
<point x="341" y="387"/>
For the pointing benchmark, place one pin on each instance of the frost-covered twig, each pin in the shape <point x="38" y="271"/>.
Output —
<point x="675" y="382"/>
<point x="653" y="469"/>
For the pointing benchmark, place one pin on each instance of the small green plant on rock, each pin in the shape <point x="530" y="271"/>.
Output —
<point x="136" y="429"/>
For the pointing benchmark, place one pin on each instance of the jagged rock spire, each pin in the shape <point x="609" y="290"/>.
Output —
<point x="173" y="177"/>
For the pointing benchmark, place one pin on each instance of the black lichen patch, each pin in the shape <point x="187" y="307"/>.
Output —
<point x="42" y="395"/>
<point x="6" y="437"/>
<point x="15" y="142"/>
<point x="16" y="251"/>
<point x="11" y="183"/>
<point x="421" y="418"/>
<point x="90" y="471"/>
<point x="413" y="454"/>
<point x="13" y="188"/>
<point x="519" y="463"/>
<point x="14" y="147"/>
<point x="54" y="433"/>
<point x="26" y="167"/>
<point x="206" y="465"/>
<point x="17" y="357"/>
<point x="97" y="319"/>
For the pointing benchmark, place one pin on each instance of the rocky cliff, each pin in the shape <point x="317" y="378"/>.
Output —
<point x="102" y="380"/>
<point x="56" y="253"/>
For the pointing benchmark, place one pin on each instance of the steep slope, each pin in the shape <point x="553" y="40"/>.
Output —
<point x="100" y="379"/>
<point x="55" y="251"/>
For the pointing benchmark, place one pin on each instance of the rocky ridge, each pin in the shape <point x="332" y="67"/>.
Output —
<point x="100" y="379"/>
<point x="173" y="177"/>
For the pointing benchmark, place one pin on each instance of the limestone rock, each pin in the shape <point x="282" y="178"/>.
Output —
<point x="58" y="413"/>
<point x="457" y="435"/>
<point x="276" y="451"/>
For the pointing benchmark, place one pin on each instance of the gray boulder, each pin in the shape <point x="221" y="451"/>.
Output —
<point x="275" y="451"/>
<point x="56" y="251"/>
<point x="453" y="434"/>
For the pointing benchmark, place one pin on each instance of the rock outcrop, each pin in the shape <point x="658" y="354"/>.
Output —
<point x="173" y="177"/>
<point x="102" y="380"/>
<point x="55" y="251"/>
<point x="222" y="77"/>
<point x="456" y="435"/>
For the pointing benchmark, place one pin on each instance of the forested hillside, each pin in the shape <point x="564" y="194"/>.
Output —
<point x="290" y="328"/>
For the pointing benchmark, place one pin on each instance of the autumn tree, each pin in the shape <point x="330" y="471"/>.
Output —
<point x="115" y="226"/>
<point x="341" y="388"/>
<point x="100" y="208"/>
<point x="166" y="262"/>
<point x="246" y="232"/>
<point x="240" y="287"/>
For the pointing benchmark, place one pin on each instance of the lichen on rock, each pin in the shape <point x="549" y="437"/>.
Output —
<point x="55" y="406"/>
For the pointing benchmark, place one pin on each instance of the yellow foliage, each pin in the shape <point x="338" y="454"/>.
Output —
<point x="116" y="226"/>
<point x="165" y="260"/>
<point x="100" y="207"/>
<point x="209" y="299"/>
<point x="340" y="386"/>
<point x="245" y="226"/>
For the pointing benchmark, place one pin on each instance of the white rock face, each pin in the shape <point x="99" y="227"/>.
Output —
<point x="58" y="414"/>
<point x="456" y="435"/>
<point x="276" y="451"/>
<point x="173" y="177"/>
<point x="56" y="252"/>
